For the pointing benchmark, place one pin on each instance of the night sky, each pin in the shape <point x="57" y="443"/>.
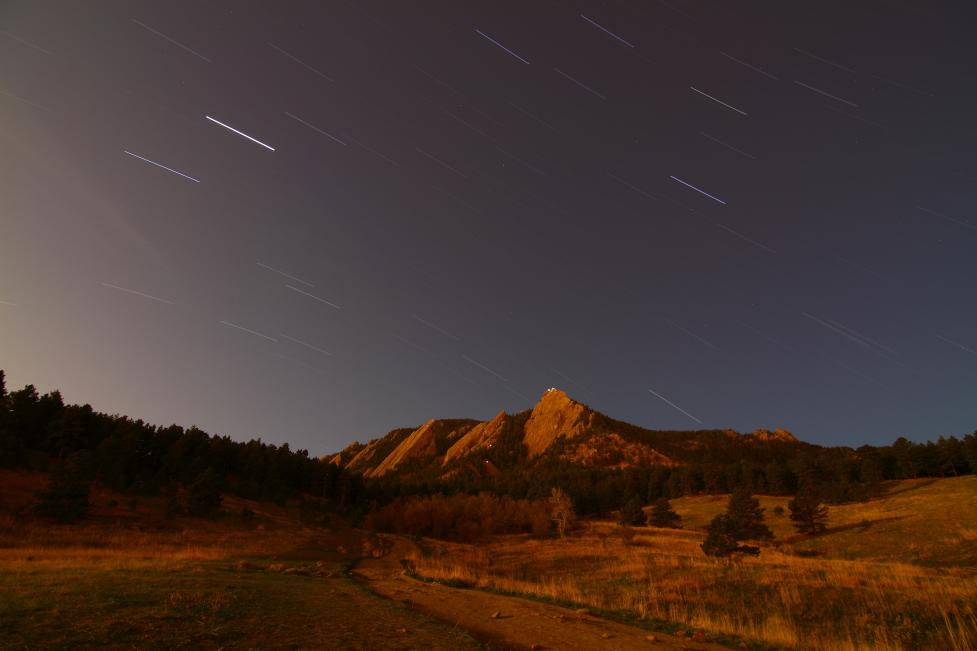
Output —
<point x="686" y="214"/>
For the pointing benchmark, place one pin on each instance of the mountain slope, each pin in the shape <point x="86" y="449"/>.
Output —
<point x="557" y="430"/>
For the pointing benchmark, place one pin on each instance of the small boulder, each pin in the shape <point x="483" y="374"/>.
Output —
<point x="496" y="615"/>
<point x="699" y="636"/>
<point x="651" y="638"/>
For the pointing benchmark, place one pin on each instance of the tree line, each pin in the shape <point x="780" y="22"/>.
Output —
<point x="80" y="447"/>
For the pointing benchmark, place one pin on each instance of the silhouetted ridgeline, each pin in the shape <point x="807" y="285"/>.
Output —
<point x="40" y="432"/>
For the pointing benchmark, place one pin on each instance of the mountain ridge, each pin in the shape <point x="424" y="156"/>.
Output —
<point x="557" y="428"/>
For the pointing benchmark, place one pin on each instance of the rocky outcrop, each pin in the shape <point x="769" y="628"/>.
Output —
<point x="610" y="450"/>
<point x="341" y="459"/>
<point x="456" y="447"/>
<point x="554" y="415"/>
<point x="426" y="442"/>
<point x="374" y="452"/>
<point x="776" y="435"/>
<point x="419" y="445"/>
<point x="482" y="435"/>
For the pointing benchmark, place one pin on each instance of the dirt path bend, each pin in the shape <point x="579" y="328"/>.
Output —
<point x="519" y="623"/>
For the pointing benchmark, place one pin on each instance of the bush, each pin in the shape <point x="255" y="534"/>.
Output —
<point x="463" y="518"/>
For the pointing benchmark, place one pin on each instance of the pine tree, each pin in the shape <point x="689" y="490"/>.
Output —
<point x="632" y="513"/>
<point x="746" y="517"/>
<point x="664" y="516"/>
<point x="808" y="514"/>
<point x="722" y="540"/>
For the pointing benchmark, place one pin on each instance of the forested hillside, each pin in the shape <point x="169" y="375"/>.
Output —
<point x="79" y="445"/>
<point x="600" y="462"/>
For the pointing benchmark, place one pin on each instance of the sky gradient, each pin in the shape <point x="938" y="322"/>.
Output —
<point x="686" y="214"/>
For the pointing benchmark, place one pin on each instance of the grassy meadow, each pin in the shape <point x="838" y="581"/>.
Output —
<point x="127" y="578"/>
<point x="896" y="573"/>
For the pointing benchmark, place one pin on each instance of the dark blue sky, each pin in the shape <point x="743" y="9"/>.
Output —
<point x="758" y="215"/>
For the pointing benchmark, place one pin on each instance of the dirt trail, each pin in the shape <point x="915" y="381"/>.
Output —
<point x="523" y="623"/>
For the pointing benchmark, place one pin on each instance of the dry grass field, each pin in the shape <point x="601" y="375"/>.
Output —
<point x="895" y="573"/>
<point x="127" y="578"/>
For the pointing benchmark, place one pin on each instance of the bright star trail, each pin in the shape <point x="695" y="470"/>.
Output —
<point x="763" y="210"/>
<point x="717" y="101"/>
<point x="168" y="169"/>
<point x="492" y="40"/>
<point x="703" y="192"/>
<point x="240" y="133"/>
<point x="606" y="31"/>
<point x="673" y="405"/>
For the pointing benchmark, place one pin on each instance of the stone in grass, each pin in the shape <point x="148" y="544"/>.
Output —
<point x="699" y="636"/>
<point x="651" y="638"/>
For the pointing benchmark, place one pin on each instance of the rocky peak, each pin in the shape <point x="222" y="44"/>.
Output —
<point x="776" y="435"/>
<point x="555" y="414"/>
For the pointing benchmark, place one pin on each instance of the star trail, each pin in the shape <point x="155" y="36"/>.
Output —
<point x="763" y="210"/>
